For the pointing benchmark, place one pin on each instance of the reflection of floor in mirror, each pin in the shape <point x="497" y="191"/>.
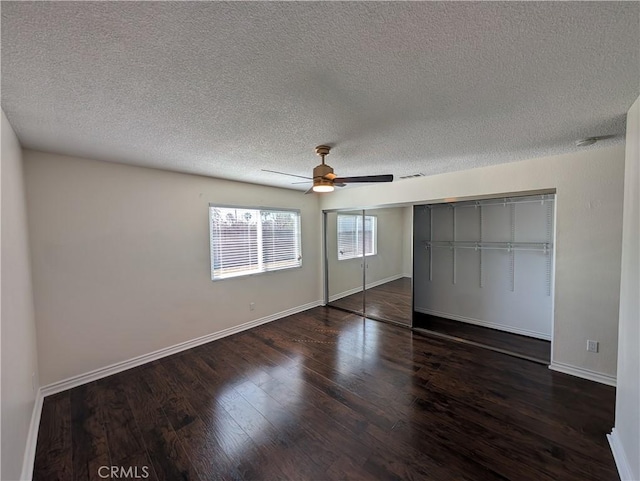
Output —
<point x="391" y="301"/>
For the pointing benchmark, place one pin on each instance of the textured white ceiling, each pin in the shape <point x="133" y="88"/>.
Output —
<point x="225" y="89"/>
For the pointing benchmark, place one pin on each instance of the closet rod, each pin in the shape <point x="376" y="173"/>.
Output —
<point x="508" y="246"/>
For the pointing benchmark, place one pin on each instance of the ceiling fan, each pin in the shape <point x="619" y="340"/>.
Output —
<point x="324" y="180"/>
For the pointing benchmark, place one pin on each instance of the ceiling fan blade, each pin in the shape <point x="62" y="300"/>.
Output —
<point x="364" y="178"/>
<point x="339" y="185"/>
<point x="303" y="182"/>
<point x="284" y="173"/>
<point x="310" y="191"/>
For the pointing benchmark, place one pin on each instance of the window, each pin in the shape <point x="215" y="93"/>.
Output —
<point x="350" y="236"/>
<point x="250" y="241"/>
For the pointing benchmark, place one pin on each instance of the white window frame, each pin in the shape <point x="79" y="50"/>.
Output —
<point x="359" y="234"/>
<point x="261" y="266"/>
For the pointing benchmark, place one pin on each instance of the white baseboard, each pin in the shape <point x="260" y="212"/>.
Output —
<point x="624" y="468"/>
<point x="583" y="373"/>
<point x="480" y="322"/>
<point x="32" y="439"/>
<point x="102" y="372"/>
<point x="370" y="285"/>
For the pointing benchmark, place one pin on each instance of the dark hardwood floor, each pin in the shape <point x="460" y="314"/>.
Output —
<point x="538" y="349"/>
<point x="326" y="395"/>
<point x="390" y="301"/>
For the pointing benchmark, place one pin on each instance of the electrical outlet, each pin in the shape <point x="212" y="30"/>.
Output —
<point x="252" y="306"/>
<point x="592" y="346"/>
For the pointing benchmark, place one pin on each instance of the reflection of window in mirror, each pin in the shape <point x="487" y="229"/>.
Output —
<point x="350" y="236"/>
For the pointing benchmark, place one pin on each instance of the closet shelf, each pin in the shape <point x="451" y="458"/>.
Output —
<point x="504" y="201"/>
<point x="508" y="246"/>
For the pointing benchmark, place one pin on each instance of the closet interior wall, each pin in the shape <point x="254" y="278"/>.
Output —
<point x="488" y="263"/>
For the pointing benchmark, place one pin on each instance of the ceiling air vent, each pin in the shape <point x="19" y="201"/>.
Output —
<point x="411" y="176"/>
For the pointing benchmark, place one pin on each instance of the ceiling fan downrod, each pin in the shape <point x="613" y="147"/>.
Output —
<point x="322" y="151"/>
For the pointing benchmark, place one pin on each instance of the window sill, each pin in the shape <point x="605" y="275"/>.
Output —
<point x="253" y="274"/>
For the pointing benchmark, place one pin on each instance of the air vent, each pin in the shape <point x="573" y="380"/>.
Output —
<point x="411" y="176"/>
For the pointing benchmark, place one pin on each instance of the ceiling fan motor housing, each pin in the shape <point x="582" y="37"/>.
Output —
<point x="323" y="171"/>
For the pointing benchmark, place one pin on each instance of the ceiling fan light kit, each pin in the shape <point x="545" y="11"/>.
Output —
<point x="322" y="188"/>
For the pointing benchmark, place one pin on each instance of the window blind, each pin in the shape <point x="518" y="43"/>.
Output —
<point x="250" y="241"/>
<point x="352" y="237"/>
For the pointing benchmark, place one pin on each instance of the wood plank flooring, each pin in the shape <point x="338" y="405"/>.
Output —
<point x="326" y="395"/>
<point x="520" y="345"/>
<point x="390" y="301"/>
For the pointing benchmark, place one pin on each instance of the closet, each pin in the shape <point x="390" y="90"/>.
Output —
<point x="487" y="263"/>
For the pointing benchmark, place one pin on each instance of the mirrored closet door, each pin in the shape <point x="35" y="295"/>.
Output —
<point x="369" y="262"/>
<point x="345" y="267"/>
<point x="388" y="264"/>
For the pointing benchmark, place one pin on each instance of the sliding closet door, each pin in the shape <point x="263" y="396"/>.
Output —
<point x="387" y="261"/>
<point x="345" y="267"/>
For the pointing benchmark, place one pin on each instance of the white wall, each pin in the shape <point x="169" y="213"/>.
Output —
<point x="627" y="430"/>
<point x="19" y="354"/>
<point x="589" y="234"/>
<point x="121" y="261"/>
<point x="345" y="276"/>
